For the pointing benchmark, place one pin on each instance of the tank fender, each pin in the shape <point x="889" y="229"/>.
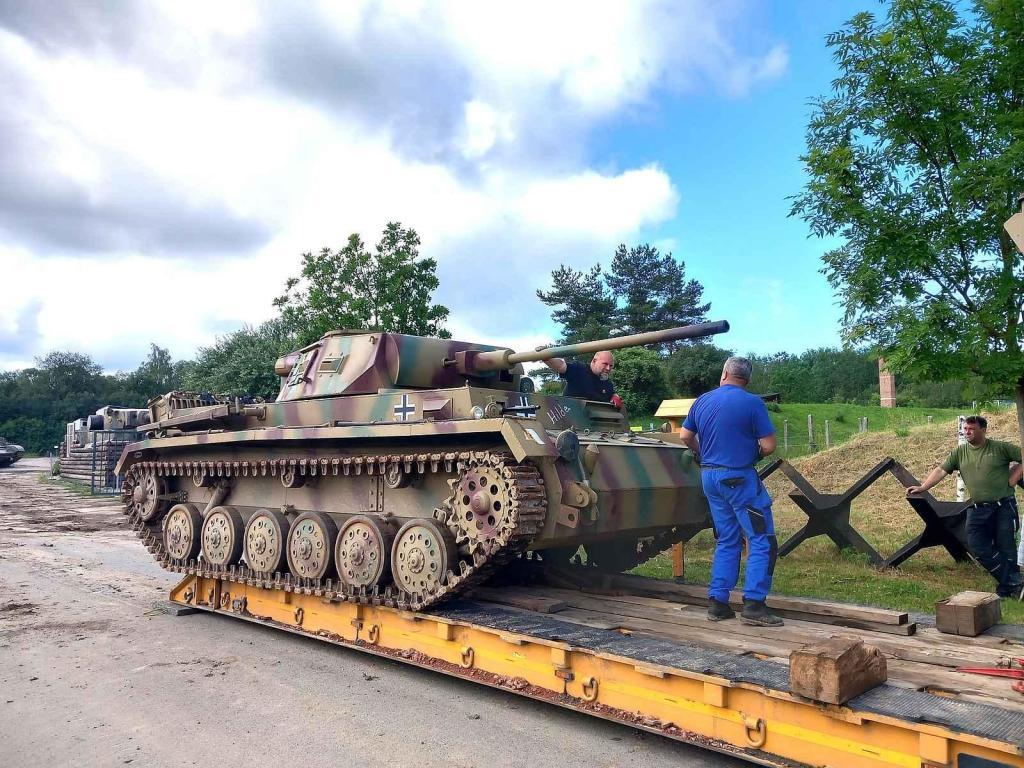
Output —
<point x="527" y="439"/>
<point x="128" y="457"/>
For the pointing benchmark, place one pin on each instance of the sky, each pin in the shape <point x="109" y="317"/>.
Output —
<point x="163" y="165"/>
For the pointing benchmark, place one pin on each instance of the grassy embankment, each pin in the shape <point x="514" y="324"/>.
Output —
<point x="881" y="514"/>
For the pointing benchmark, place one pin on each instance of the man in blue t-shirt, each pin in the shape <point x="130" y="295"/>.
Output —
<point x="731" y="430"/>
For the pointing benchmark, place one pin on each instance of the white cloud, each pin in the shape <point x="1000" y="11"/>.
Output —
<point x="181" y="157"/>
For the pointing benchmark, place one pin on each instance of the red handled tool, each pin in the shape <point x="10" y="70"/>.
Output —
<point x="1003" y="670"/>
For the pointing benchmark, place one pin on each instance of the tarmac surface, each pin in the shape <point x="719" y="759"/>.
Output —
<point x="94" y="672"/>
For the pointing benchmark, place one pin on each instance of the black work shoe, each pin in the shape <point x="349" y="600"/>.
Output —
<point x="719" y="611"/>
<point x="755" y="613"/>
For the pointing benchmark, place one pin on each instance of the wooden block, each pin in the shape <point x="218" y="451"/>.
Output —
<point x="520" y="599"/>
<point x="967" y="613"/>
<point x="836" y="670"/>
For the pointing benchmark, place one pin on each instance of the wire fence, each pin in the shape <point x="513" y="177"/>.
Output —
<point x="799" y="438"/>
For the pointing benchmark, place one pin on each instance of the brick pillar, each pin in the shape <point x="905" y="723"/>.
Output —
<point x="886" y="385"/>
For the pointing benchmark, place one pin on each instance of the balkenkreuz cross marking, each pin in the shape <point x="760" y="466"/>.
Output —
<point x="405" y="410"/>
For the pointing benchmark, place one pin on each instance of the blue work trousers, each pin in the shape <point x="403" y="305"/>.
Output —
<point x="740" y="508"/>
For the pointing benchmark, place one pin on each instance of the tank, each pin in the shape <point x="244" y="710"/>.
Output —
<point x="400" y="470"/>
<point x="9" y="452"/>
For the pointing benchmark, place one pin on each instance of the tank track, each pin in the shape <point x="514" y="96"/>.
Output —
<point x="523" y="520"/>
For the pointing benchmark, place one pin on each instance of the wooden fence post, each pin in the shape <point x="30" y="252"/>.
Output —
<point x="678" y="561"/>
<point x="785" y="435"/>
<point x="810" y="433"/>
<point x="828" y="436"/>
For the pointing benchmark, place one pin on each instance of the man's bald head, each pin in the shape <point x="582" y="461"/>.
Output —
<point x="602" y="364"/>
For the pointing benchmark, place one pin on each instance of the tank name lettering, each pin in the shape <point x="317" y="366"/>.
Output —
<point x="405" y="410"/>
<point x="557" y="412"/>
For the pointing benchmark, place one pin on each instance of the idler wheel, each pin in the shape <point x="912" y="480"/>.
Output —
<point x="147" y="496"/>
<point x="223" y="531"/>
<point x="181" y="532"/>
<point x="265" y="535"/>
<point x="423" y="552"/>
<point x="482" y="502"/>
<point x="363" y="551"/>
<point x="311" y="545"/>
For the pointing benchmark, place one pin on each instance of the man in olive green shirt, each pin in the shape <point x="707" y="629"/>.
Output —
<point x="992" y="520"/>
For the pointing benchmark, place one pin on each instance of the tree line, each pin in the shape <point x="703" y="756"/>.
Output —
<point x="642" y="290"/>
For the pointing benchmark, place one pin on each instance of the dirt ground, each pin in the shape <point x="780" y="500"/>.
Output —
<point x="95" y="672"/>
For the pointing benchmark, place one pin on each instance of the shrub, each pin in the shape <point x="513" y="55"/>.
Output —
<point x="840" y="417"/>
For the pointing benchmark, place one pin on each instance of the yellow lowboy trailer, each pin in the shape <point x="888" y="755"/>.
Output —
<point x="739" y="704"/>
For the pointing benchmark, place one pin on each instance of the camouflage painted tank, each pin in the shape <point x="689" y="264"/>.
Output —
<point x="400" y="470"/>
<point x="9" y="452"/>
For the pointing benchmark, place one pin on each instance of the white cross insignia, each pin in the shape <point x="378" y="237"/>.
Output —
<point x="405" y="409"/>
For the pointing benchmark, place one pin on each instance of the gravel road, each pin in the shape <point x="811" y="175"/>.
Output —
<point x="94" y="672"/>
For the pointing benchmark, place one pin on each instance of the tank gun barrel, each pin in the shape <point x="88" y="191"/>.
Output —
<point x="482" y="362"/>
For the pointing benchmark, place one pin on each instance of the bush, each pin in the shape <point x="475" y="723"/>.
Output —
<point x="901" y="432"/>
<point x="840" y="417"/>
<point x="774" y="407"/>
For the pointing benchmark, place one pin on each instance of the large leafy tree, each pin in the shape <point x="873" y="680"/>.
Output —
<point x="695" y="369"/>
<point x="914" y="161"/>
<point x="640" y="380"/>
<point x="242" y="362"/>
<point x="388" y="289"/>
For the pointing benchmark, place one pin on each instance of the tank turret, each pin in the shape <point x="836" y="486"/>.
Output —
<point x="360" y="362"/>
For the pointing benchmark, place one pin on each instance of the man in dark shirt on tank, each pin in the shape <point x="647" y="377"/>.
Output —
<point x="588" y="382"/>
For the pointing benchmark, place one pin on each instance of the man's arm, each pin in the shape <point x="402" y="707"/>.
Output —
<point x="933" y="478"/>
<point x="689" y="439"/>
<point x="1016" y="473"/>
<point x="767" y="445"/>
<point x="556" y="364"/>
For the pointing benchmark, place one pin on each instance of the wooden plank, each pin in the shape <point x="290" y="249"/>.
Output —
<point x="803" y="605"/>
<point x="529" y="600"/>
<point x="799" y="633"/>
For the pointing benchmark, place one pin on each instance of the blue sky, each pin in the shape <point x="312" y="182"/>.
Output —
<point x="178" y="157"/>
<point x="735" y="161"/>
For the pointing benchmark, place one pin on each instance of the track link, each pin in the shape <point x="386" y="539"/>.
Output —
<point x="522" y="521"/>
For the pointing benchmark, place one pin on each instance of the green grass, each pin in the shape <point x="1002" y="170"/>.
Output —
<point x="843" y="422"/>
<point x="79" y="489"/>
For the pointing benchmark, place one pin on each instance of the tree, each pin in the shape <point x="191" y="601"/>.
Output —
<point x="695" y="369"/>
<point x="387" y="290"/>
<point x="653" y="291"/>
<point x="584" y="306"/>
<point x="914" y="161"/>
<point x="156" y="375"/>
<point x="242" y="362"/>
<point x="640" y="380"/>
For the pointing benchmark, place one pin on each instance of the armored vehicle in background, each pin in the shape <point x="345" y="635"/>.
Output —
<point x="9" y="452"/>
<point x="400" y="470"/>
